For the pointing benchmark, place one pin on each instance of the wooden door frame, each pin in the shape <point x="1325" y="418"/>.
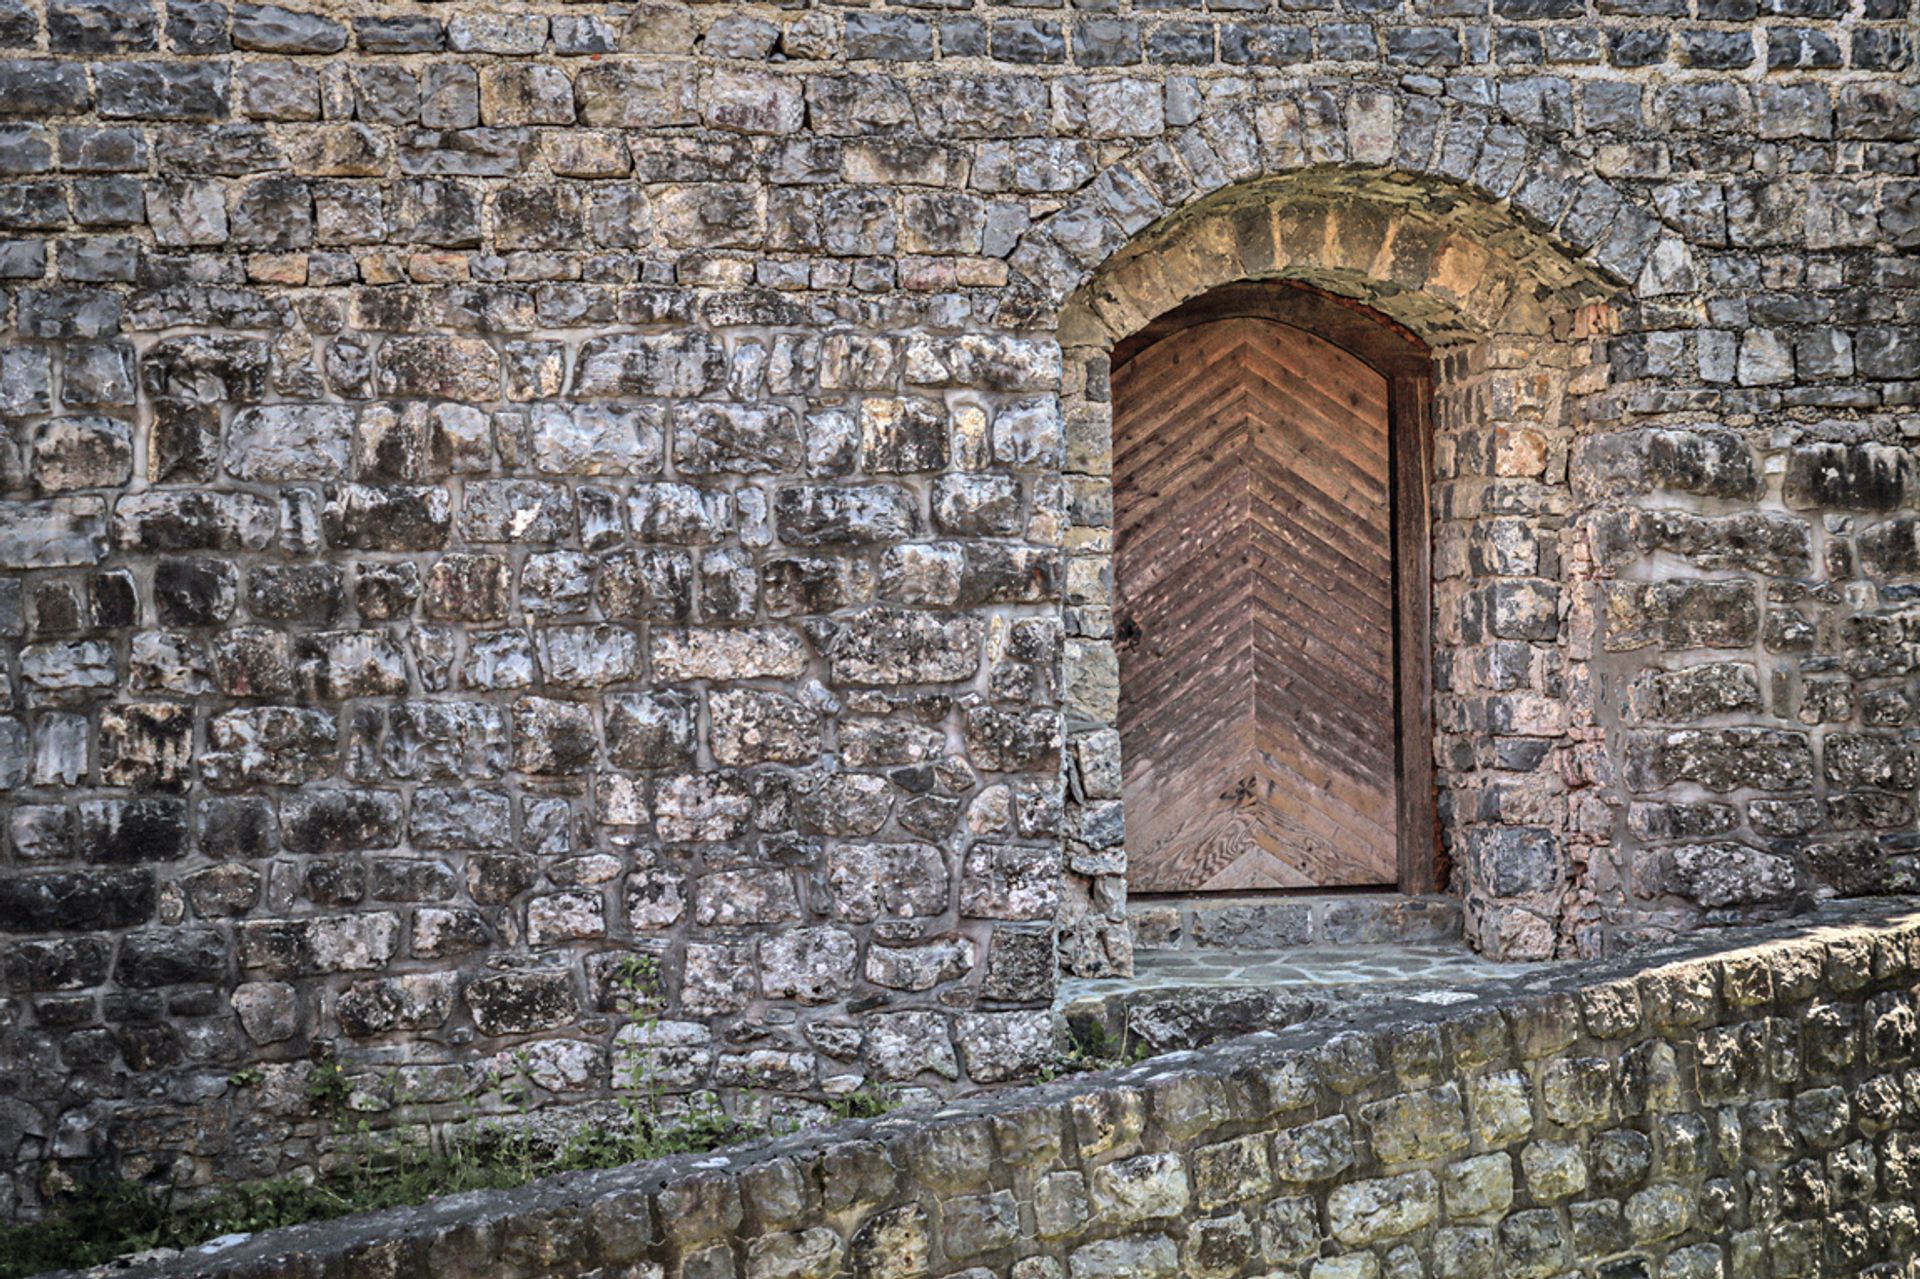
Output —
<point x="1407" y="365"/>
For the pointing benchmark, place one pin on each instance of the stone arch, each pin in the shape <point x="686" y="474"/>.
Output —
<point x="1516" y="323"/>
<point x="1489" y="175"/>
<point x="1433" y="266"/>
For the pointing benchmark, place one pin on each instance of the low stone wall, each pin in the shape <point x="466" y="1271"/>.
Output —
<point x="1747" y="1111"/>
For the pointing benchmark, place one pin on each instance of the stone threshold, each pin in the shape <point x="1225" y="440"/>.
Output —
<point x="1211" y="968"/>
<point x="1178" y="1000"/>
<point x="1276" y="923"/>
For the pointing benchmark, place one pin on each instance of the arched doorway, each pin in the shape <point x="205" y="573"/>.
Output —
<point x="1271" y="461"/>
<point x="1487" y="626"/>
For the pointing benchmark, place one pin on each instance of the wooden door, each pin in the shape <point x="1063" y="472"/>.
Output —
<point x="1254" y="612"/>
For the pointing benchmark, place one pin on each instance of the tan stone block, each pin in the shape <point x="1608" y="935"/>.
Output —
<point x="382" y="268"/>
<point x="1206" y="256"/>
<point x="1371" y="126"/>
<point x="436" y="268"/>
<point x="1478" y="1187"/>
<point x="277" y="268"/>
<point x="1130" y="292"/>
<point x="1414" y="254"/>
<point x="1282" y="138"/>
<point x="1459" y="265"/>
<point x="980" y="273"/>
<point x="1299" y="236"/>
<point x="1519" y="451"/>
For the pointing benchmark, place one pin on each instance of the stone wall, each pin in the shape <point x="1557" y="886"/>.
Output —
<point x="1753" y="1113"/>
<point x="491" y="490"/>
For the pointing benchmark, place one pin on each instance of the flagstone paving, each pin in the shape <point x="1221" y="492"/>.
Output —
<point x="1434" y="965"/>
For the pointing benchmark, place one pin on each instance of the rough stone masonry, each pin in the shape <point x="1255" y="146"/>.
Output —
<point x="495" y="489"/>
<point x="1747" y="1112"/>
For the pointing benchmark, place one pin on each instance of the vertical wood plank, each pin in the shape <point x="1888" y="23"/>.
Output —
<point x="1410" y="411"/>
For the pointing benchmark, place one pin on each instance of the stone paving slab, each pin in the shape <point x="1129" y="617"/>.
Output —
<point x="1440" y="964"/>
<point x="1294" y="920"/>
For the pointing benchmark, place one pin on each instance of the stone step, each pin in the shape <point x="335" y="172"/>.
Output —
<point x="1282" y="923"/>
<point x="1163" y="1019"/>
<point x="1178" y="999"/>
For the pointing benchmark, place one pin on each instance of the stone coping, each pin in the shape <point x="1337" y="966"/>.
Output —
<point x="608" y="1223"/>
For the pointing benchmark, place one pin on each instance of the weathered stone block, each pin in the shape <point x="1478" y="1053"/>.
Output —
<point x="1231" y="1171"/>
<point x="1317" y="1151"/>
<point x="339" y="821"/>
<point x="1009" y="882"/>
<point x="1141" y="1189"/>
<point x="589" y="656"/>
<point x="706" y="808"/>
<point x="597" y="439"/>
<point x="1680" y="615"/>
<point x="892" y="880"/>
<point x="276" y="443"/>
<point x="812" y="965"/>
<point x="162" y="90"/>
<point x="344" y="943"/>
<point x="901" y="1046"/>
<point x="1721" y="759"/>
<point x="736" y="439"/>
<point x="650" y="730"/>
<point x="1416" y="1127"/>
<point x="522" y="1002"/>
<point x="387" y="518"/>
<point x="1860" y="477"/>
<point x="668" y="366"/>
<point x="730" y="654"/>
<point x="460" y="818"/>
<point x="80" y="452"/>
<point x="1532" y="1243"/>
<point x="1140" y="1256"/>
<point x="1003" y="1046"/>
<point x="553" y="737"/>
<point x="826" y="515"/>
<point x="1362" y="1212"/>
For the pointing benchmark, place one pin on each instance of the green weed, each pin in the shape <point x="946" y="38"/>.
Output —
<point x="104" y="1217"/>
<point x="1091" y="1046"/>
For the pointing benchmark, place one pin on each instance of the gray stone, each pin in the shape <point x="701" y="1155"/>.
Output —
<point x="596" y="440"/>
<point x="886" y="880"/>
<point x="290" y="442"/>
<point x="736" y="439"/>
<point x="187" y="212"/>
<point x="919" y="967"/>
<point x="520" y="1003"/>
<point x="1363" y="1212"/>
<point x="162" y="90"/>
<point x="271" y="29"/>
<point x="903" y="1046"/>
<point x="79" y="453"/>
<point x="811" y="965"/>
<point x="823" y="515"/>
<point x="60" y="533"/>
<point x="889" y="646"/>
